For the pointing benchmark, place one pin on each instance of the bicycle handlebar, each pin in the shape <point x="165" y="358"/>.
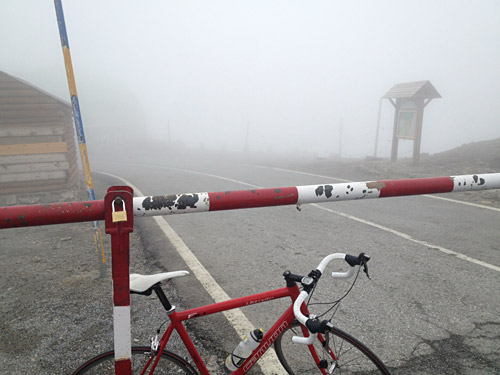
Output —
<point x="302" y="319"/>
<point x="315" y="326"/>
<point x="335" y="275"/>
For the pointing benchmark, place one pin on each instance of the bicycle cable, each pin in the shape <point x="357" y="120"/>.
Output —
<point x="335" y="304"/>
<point x="159" y="329"/>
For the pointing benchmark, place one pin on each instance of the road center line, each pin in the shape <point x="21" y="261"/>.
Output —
<point x="304" y="173"/>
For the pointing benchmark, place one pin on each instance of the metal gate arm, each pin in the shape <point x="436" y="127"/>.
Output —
<point x="54" y="213"/>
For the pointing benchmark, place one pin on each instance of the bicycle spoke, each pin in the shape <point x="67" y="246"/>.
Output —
<point x="345" y="355"/>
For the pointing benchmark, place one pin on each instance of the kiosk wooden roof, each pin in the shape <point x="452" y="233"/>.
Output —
<point x="413" y="90"/>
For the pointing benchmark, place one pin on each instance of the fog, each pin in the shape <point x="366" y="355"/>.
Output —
<point x="265" y="76"/>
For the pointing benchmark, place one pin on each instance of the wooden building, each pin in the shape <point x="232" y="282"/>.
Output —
<point x="37" y="146"/>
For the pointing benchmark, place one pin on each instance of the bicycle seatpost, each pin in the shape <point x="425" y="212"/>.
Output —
<point x="163" y="298"/>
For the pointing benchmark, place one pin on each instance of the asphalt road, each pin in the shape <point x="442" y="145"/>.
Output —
<point x="425" y="311"/>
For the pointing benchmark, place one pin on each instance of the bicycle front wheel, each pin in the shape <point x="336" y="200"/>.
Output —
<point x="169" y="363"/>
<point x="343" y="355"/>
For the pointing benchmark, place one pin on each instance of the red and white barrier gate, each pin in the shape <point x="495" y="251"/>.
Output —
<point x="297" y="195"/>
<point x="119" y="223"/>
<point x="119" y="207"/>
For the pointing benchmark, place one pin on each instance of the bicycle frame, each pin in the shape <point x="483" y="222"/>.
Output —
<point x="176" y="319"/>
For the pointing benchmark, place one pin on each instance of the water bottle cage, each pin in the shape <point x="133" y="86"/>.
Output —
<point x="239" y="360"/>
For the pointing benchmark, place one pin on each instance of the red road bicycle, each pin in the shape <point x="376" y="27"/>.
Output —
<point x="303" y="343"/>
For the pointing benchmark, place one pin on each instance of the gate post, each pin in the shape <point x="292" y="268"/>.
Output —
<point x="119" y="199"/>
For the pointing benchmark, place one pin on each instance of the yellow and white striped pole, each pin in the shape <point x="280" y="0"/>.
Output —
<point x="79" y="131"/>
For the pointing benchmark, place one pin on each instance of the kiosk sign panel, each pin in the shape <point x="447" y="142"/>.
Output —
<point x="407" y="123"/>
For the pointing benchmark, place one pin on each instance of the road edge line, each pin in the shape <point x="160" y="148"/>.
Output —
<point x="269" y="362"/>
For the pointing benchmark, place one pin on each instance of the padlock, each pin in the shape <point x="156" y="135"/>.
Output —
<point x="118" y="216"/>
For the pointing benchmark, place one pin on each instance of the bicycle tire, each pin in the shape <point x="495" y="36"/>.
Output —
<point x="349" y="357"/>
<point x="104" y="363"/>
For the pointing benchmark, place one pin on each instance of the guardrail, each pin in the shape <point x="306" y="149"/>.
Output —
<point x="119" y="208"/>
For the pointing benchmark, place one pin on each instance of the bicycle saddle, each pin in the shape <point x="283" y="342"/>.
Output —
<point x="140" y="283"/>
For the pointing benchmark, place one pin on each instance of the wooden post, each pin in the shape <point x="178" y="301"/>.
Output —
<point x="417" y="141"/>
<point x="395" y="139"/>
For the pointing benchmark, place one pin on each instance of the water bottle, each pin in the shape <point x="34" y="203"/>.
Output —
<point x="244" y="349"/>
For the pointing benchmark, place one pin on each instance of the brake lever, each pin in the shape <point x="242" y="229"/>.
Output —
<point x="365" y="270"/>
<point x="326" y="343"/>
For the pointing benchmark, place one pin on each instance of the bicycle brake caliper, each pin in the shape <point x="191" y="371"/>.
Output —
<point x="155" y="343"/>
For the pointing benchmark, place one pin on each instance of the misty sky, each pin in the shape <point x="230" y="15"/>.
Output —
<point x="289" y="71"/>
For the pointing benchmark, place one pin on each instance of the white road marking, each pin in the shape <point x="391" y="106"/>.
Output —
<point x="464" y="203"/>
<point x="269" y="363"/>
<point x="304" y="173"/>
<point x="212" y="175"/>
<point x="410" y="238"/>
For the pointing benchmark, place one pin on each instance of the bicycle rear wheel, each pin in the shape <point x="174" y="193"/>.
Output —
<point x="104" y="363"/>
<point x="345" y="355"/>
